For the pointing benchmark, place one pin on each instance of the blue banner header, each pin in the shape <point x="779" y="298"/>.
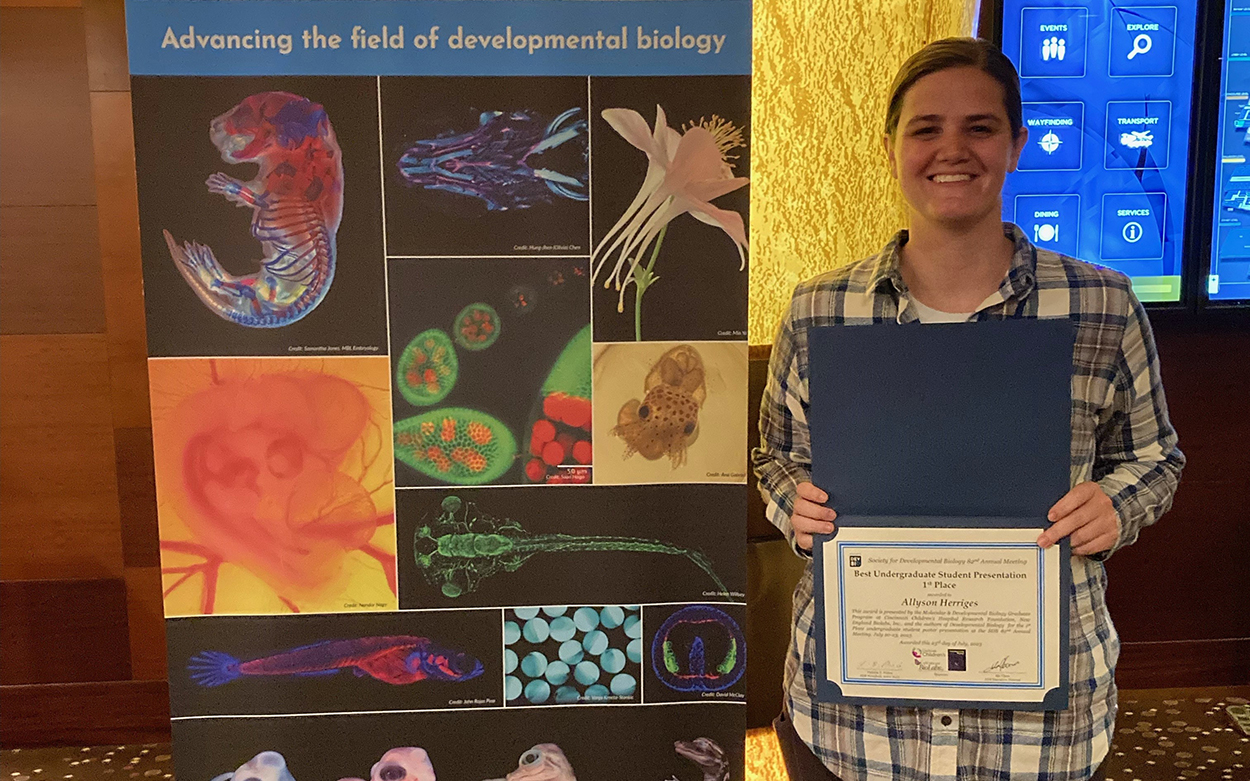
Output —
<point x="438" y="37"/>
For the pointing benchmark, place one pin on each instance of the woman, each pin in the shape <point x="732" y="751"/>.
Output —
<point x="953" y="132"/>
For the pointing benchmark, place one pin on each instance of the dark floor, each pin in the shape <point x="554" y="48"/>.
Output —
<point x="1161" y="735"/>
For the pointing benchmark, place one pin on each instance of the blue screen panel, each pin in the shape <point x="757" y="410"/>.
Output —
<point x="1107" y="91"/>
<point x="1228" y="278"/>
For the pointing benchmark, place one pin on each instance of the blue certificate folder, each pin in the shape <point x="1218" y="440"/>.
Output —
<point x="942" y="425"/>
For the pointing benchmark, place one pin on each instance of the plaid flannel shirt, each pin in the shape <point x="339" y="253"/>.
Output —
<point x="1121" y="438"/>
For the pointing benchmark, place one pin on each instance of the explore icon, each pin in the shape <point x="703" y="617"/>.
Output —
<point x="1142" y="44"/>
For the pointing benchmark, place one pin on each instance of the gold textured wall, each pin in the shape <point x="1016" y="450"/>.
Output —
<point x="821" y="193"/>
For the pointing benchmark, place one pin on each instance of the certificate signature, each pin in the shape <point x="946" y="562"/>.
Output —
<point x="1006" y="663"/>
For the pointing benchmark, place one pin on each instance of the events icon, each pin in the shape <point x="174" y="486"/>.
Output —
<point x="1054" y="48"/>
<point x="1052" y="42"/>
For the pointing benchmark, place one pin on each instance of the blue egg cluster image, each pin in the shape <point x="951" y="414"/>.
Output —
<point x="564" y="655"/>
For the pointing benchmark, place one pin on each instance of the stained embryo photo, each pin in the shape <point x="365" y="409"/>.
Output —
<point x="274" y="484"/>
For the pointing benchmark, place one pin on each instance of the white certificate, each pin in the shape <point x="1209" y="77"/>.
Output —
<point x="943" y="615"/>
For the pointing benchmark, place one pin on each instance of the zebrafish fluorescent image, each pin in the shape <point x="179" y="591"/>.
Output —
<point x="332" y="663"/>
<point x="463" y="545"/>
<point x="478" y="547"/>
<point x="394" y="660"/>
<point x="297" y="204"/>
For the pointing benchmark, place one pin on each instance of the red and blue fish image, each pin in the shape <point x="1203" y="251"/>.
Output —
<point x="396" y="660"/>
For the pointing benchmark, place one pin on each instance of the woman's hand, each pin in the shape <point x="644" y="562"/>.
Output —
<point x="810" y="516"/>
<point x="1087" y="515"/>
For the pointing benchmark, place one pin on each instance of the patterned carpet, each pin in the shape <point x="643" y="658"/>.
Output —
<point x="1161" y="735"/>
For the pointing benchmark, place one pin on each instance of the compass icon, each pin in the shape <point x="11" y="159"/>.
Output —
<point x="1049" y="142"/>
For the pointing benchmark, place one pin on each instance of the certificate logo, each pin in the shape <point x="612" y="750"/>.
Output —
<point x="855" y="561"/>
<point x="956" y="659"/>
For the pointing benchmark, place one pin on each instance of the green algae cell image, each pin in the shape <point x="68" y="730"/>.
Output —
<point x="427" y="368"/>
<point x="477" y="326"/>
<point x="455" y="445"/>
<point x="506" y="341"/>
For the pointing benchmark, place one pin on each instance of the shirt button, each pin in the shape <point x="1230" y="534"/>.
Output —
<point x="946" y="721"/>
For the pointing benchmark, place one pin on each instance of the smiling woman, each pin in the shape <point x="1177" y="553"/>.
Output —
<point x="952" y="133"/>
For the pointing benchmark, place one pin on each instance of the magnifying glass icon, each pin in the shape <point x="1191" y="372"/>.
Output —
<point x="1141" y="45"/>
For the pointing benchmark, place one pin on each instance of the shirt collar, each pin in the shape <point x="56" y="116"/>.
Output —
<point x="1020" y="278"/>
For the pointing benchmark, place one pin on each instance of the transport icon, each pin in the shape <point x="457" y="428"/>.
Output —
<point x="1137" y="139"/>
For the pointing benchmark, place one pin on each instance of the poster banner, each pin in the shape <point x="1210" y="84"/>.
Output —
<point x="447" y="317"/>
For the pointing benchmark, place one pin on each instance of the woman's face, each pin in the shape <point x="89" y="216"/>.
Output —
<point x="953" y="147"/>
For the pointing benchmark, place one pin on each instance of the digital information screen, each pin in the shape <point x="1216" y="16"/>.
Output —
<point x="1228" y="277"/>
<point x="1107" y="89"/>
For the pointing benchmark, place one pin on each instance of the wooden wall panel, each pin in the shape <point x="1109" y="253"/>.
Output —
<point x="50" y="270"/>
<point x="136" y="489"/>
<point x="147" y="623"/>
<point x="85" y="714"/>
<point x="54" y="381"/>
<point x="40" y="3"/>
<point x="113" y="135"/>
<point x="58" y="474"/>
<point x="1190" y="568"/>
<point x="107" y="68"/>
<point x="63" y="631"/>
<point x="45" y="118"/>
<point x="1184" y="663"/>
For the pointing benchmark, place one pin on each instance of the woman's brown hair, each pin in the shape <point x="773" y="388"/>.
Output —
<point x="957" y="53"/>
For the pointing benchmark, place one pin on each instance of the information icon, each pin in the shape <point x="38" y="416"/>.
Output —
<point x="1133" y="226"/>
